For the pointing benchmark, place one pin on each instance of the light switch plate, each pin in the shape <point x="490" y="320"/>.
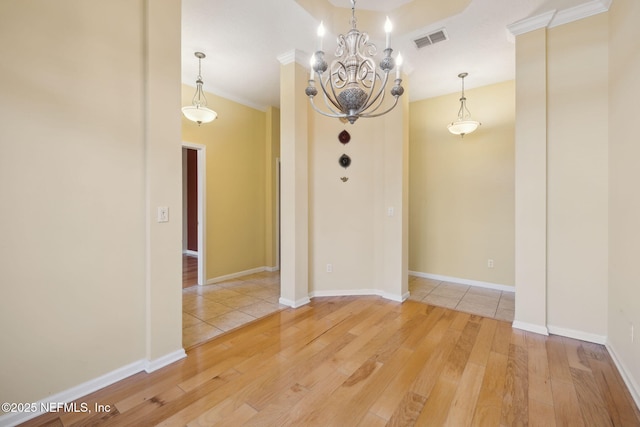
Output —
<point x="163" y="214"/>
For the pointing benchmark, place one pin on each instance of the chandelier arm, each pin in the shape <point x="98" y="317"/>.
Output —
<point x="329" y="102"/>
<point x="326" y="94"/>
<point x="395" y="102"/>
<point x="373" y="101"/>
<point x="324" y="113"/>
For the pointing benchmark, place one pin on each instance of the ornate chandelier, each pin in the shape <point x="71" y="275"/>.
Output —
<point x="198" y="111"/>
<point x="463" y="125"/>
<point x="352" y="86"/>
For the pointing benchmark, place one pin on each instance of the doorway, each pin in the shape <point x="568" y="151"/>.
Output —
<point x="193" y="214"/>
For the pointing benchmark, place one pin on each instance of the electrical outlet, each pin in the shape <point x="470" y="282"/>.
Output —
<point x="489" y="263"/>
<point x="329" y="268"/>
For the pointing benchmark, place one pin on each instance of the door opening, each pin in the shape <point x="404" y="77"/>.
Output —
<point x="193" y="207"/>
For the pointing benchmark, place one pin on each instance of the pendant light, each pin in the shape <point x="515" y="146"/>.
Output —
<point x="198" y="111"/>
<point x="463" y="125"/>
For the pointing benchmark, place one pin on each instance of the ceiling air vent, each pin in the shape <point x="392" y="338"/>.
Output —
<point x="433" y="38"/>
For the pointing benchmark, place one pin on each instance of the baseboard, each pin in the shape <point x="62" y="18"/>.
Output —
<point x="578" y="335"/>
<point x="189" y="252"/>
<point x="631" y="384"/>
<point x="75" y="393"/>
<point x="294" y="304"/>
<point x="236" y="275"/>
<point x="360" y="292"/>
<point x="161" y="362"/>
<point x="530" y="327"/>
<point x="477" y="283"/>
<point x="272" y="269"/>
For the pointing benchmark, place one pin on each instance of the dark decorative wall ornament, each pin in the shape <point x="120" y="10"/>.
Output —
<point x="345" y="161"/>
<point x="344" y="137"/>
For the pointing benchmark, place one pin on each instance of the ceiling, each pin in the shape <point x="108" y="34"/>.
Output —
<point x="243" y="39"/>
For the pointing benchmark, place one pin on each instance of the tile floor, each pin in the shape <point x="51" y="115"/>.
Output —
<point x="210" y="310"/>
<point x="470" y="299"/>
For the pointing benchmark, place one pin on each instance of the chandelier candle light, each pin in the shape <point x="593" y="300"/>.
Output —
<point x="353" y="87"/>
<point x="463" y="125"/>
<point x="198" y="111"/>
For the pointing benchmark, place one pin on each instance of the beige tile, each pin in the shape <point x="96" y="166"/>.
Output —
<point x="209" y="310"/>
<point x="441" y="301"/>
<point x="478" y="309"/>
<point x="198" y="333"/>
<point x="247" y="288"/>
<point x="260" y="309"/>
<point x="506" y="304"/>
<point x="266" y="293"/>
<point x="450" y="290"/>
<point x="504" y="314"/>
<point x="201" y="290"/>
<point x="193" y="304"/>
<point x="189" y="320"/>
<point x="422" y="287"/>
<point x="481" y="300"/>
<point x="239" y="301"/>
<point x="230" y="320"/>
<point x="274" y="299"/>
<point x="475" y="290"/>
<point x="230" y="283"/>
<point x="511" y="296"/>
<point x="417" y="296"/>
<point x="222" y="294"/>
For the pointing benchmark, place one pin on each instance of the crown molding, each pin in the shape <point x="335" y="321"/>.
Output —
<point x="294" y="55"/>
<point x="554" y="18"/>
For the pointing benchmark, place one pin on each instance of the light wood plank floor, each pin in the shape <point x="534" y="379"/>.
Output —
<point x="189" y="271"/>
<point x="366" y="361"/>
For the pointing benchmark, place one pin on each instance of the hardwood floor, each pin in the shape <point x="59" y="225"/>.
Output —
<point x="189" y="271"/>
<point x="366" y="361"/>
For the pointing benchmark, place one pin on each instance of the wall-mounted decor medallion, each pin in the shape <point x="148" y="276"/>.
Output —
<point x="345" y="161"/>
<point x="344" y="137"/>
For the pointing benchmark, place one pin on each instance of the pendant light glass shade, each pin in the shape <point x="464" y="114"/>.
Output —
<point x="198" y="111"/>
<point x="463" y="125"/>
<point x="199" y="114"/>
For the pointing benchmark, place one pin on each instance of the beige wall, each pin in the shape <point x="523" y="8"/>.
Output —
<point x="90" y="282"/>
<point x="624" y="199"/>
<point x="461" y="195"/>
<point x="272" y="158"/>
<point x="577" y="182"/>
<point x="561" y="180"/>
<point x="349" y="223"/>
<point x="236" y="145"/>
